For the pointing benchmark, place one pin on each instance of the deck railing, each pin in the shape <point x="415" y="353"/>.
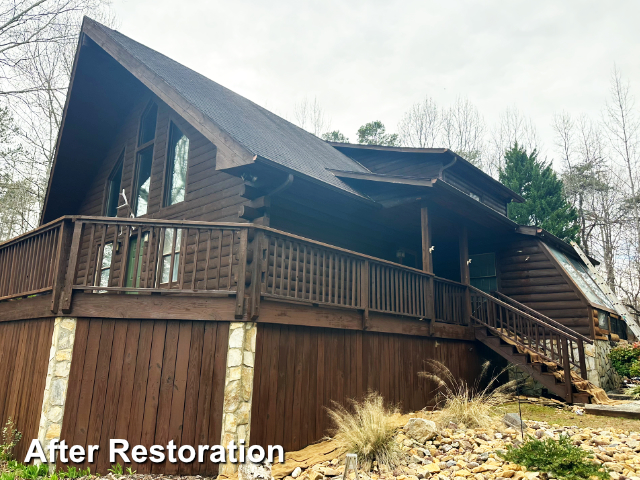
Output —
<point x="558" y="345"/>
<point x="29" y="263"/>
<point x="101" y="255"/>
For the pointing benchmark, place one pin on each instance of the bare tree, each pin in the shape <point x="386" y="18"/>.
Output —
<point x="310" y="116"/>
<point x="512" y="127"/>
<point x="463" y="130"/>
<point x="421" y="125"/>
<point x="623" y="127"/>
<point x="40" y="38"/>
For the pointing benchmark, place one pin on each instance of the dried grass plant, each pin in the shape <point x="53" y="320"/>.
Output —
<point x="368" y="430"/>
<point x="467" y="405"/>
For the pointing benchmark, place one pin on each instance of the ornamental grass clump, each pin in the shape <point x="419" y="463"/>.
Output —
<point x="368" y="431"/>
<point x="467" y="405"/>
<point x="560" y="458"/>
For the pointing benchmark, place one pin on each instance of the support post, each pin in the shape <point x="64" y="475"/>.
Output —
<point x="583" y="361"/>
<point x="364" y="293"/>
<point x="255" y="290"/>
<point x="465" y="277"/>
<point x="62" y="258"/>
<point x="238" y="388"/>
<point x="567" y="370"/>
<point x="242" y="268"/>
<point x="427" y="264"/>
<point x="72" y="268"/>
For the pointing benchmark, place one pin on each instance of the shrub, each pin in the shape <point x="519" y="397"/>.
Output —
<point x="368" y="430"/>
<point x="623" y="359"/>
<point x="559" y="457"/>
<point x="10" y="438"/>
<point x="465" y="404"/>
<point x="634" y="392"/>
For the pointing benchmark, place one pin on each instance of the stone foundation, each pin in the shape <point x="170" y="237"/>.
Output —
<point x="599" y="369"/>
<point x="55" y="392"/>
<point x="238" y="389"/>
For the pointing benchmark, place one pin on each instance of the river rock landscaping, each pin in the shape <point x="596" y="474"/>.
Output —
<point x="449" y="453"/>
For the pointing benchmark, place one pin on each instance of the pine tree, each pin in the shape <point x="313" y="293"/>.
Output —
<point x="545" y="205"/>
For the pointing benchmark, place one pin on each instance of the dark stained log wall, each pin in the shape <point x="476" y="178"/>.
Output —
<point x="147" y="382"/>
<point x="300" y="370"/>
<point x="24" y="359"/>
<point x="527" y="274"/>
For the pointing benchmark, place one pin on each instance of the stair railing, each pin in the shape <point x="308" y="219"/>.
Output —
<point x="533" y="334"/>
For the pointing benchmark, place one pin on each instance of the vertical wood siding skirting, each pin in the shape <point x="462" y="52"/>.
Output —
<point x="238" y="390"/>
<point x="24" y="355"/>
<point x="57" y="382"/>
<point x="148" y="382"/>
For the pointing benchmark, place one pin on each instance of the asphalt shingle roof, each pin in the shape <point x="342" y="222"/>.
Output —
<point x="261" y="132"/>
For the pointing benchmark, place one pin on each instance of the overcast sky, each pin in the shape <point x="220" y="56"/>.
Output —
<point x="370" y="60"/>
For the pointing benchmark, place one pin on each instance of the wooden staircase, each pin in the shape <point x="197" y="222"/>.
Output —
<point x="517" y="333"/>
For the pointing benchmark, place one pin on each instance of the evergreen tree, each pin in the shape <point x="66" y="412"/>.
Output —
<point x="545" y="205"/>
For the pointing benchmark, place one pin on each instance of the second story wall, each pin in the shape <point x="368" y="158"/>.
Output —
<point x="210" y="195"/>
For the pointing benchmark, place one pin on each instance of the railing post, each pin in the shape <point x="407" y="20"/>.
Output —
<point x="365" y="288"/>
<point x="255" y="290"/>
<point x="566" y="365"/>
<point x="581" y="357"/>
<point x="72" y="267"/>
<point x="242" y="268"/>
<point x="61" y="259"/>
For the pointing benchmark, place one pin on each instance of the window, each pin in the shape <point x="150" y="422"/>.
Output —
<point x="113" y="189"/>
<point x="167" y="247"/>
<point x="177" y="158"/>
<point x="148" y="125"/>
<point x="482" y="272"/>
<point x="103" y="270"/>
<point x="143" y="181"/>
<point x="144" y="159"/>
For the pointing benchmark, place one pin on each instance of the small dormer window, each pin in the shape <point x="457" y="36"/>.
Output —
<point x="177" y="162"/>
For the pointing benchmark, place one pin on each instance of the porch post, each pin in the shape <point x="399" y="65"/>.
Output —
<point x="427" y="263"/>
<point x="465" y="277"/>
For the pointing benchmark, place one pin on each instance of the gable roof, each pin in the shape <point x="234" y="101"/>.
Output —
<point x="259" y="131"/>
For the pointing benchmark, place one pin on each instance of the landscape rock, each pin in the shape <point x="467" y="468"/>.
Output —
<point x="421" y="430"/>
<point x="514" y="420"/>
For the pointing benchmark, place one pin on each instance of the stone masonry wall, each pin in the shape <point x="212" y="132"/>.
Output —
<point x="238" y="390"/>
<point x="599" y="369"/>
<point x="55" y="393"/>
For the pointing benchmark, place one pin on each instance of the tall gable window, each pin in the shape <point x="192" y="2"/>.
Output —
<point x="113" y="189"/>
<point x="144" y="160"/>
<point x="177" y="160"/>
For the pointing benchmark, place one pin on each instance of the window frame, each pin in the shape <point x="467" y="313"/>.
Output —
<point x="107" y="188"/>
<point x="169" y="166"/>
<point x="174" y="267"/>
<point x="140" y="147"/>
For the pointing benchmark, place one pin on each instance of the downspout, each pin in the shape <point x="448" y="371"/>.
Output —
<point x="286" y="184"/>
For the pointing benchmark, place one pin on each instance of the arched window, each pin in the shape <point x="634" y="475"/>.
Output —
<point x="144" y="159"/>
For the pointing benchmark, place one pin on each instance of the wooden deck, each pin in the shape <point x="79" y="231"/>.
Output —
<point x="99" y="267"/>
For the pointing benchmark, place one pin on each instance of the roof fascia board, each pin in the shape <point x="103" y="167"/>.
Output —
<point x="361" y="198"/>
<point x="492" y="181"/>
<point x="233" y="153"/>
<point x="377" y="177"/>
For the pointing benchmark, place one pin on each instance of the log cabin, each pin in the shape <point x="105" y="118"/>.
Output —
<point x="206" y="271"/>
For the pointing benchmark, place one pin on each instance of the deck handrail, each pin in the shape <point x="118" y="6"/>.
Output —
<point x="531" y="333"/>
<point x="541" y="316"/>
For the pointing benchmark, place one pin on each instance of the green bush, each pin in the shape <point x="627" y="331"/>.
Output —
<point x="10" y="438"/>
<point x="559" y="457"/>
<point x="623" y="359"/>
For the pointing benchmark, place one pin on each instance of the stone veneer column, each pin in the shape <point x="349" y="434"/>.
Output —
<point x="55" y="391"/>
<point x="238" y="387"/>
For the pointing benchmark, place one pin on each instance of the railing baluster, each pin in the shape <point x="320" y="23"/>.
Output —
<point x="195" y="260"/>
